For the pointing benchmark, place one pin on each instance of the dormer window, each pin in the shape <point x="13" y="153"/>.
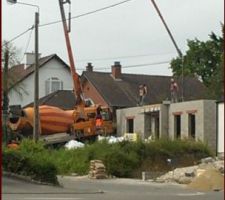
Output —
<point x="53" y="84"/>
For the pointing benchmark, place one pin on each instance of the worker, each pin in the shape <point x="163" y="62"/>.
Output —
<point x="174" y="90"/>
<point x="142" y="94"/>
<point x="98" y="119"/>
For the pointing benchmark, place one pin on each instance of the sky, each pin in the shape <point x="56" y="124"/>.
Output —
<point x="131" y="33"/>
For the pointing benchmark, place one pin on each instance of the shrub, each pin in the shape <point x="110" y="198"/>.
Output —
<point x="19" y="162"/>
<point x="121" y="164"/>
<point x="31" y="147"/>
<point x="14" y="161"/>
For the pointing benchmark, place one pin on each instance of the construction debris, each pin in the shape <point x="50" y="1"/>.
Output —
<point x="97" y="170"/>
<point x="208" y="175"/>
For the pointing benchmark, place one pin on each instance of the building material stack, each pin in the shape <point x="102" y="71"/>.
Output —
<point x="97" y="170"/>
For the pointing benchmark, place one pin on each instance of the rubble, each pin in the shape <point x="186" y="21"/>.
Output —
<point x="97" y="170"/>
<point x="208" y="175"/>
<point x="179" y="175"/>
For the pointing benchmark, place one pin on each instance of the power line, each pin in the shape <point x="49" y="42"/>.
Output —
<point x="78" y="16"/>
<point x="133" y="66"/>
<point x="121" y="57"/>
<point x="27" y="45"/>
<point x="88" y="13"/>
<point x="146" y="64"/>
<point x="21" y="34"/>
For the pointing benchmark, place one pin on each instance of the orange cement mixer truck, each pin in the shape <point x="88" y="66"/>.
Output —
<point x="59" y="126"/>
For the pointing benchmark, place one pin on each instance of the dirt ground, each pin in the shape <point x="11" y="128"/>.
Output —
<point x="210" y="179"/>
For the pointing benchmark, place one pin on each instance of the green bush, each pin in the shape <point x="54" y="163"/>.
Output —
<point x="14" y="161"/>
<point x="31" y="147"/>
<point x="42" y="171"/>
<point x="121" y="164"/>
<point x="29" y="164"/>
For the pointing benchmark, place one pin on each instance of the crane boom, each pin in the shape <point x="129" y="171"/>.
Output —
<point x="76" y="82"/>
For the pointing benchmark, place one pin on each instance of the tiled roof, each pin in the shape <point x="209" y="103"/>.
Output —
<point x="63" y="99"/>
<point x="17" y="73"/>
<point x="124" y="92"/>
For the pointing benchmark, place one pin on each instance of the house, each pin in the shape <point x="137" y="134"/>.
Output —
<point x="119" y="90"/>
<point x="54" y="74"/>
<point x="194" y="119"/>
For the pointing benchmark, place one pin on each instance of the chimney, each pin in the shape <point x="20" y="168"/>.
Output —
<point x="116" y="70"/>
<point x="89" y="67"/>
<point x="30" y="59"/>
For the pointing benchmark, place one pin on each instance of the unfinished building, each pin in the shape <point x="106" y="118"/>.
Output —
<point x="190" y="119"/>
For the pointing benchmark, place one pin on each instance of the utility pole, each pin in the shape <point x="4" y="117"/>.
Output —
<point x="175" y="44"/>
<point x="5" y="95"/>
<point x="36" y="128"/>
<point x="36" y="122"/>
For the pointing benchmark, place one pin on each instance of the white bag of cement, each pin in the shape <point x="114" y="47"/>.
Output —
<point x="113" y="139"/>
<point x="73" y="144"/>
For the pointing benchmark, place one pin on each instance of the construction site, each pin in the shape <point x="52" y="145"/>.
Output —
<point x="113" y="124"/>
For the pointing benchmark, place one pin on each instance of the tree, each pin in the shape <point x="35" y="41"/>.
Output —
<point x="13" y="59"/>
<point x="204" y="60"/>
<point x="14" y="53"/>
<point x="9" y="58"/>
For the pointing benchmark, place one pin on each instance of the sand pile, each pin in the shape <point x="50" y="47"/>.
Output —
<point x="208" y="180"/>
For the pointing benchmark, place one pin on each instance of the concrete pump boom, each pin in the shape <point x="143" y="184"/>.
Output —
<point x="76" y="82"/>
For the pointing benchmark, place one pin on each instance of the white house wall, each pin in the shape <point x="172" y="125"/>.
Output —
<point x="51" y="69"/>
<point x="220" y="126"/>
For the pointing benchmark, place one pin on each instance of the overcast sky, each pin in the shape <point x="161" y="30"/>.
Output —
<point x="131" y="33"/>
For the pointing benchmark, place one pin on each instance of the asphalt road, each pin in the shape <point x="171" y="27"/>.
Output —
<point x="75" y="188"/>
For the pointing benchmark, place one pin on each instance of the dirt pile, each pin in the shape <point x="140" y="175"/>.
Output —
<point x="210" y="179"/>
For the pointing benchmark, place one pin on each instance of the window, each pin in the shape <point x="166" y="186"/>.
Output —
<point x="53" y="84"/>
<point x="157" y="127"/>
<point x="177" y="126"/>
<point x="191" y="125"/>
<point x="130" y="125"/>
<point x="106" y="115"/>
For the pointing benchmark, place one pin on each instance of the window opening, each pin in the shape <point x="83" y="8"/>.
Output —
<point x="130" y="125"/>
<point x="177" y="124"/>
<point x="191" y="125"/>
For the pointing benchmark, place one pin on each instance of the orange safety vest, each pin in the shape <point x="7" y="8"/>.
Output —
<point x="98" y="122"/>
